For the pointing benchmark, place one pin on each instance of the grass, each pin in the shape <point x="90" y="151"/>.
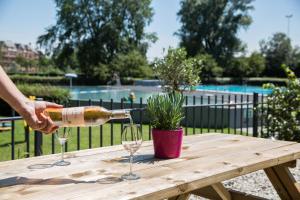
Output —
<point x="20" y="144"/>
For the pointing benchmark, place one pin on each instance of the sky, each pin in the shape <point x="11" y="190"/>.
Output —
<point x="24" y="20"/>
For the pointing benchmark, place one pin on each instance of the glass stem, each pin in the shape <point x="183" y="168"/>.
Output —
<point x="62" y="151"/>
<point x="131" y="160"/>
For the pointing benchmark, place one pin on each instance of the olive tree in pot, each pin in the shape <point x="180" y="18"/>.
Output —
<point x="165" y="111"/>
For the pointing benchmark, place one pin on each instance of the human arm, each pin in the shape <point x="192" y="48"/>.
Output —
<point x="31" y="111"/>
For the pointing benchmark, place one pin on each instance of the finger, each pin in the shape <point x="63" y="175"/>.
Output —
<point x="43" y="122"/>
<point x="50" y="126"/>
<point x="33" y="122"/>
<point x="41" y="116"/>
<point x="53" y="105"/>
<point x="54" y="128"/>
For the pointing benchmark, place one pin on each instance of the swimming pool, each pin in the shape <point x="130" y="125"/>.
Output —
<point x="235" y="88"/>
<point x="106" y="93"/>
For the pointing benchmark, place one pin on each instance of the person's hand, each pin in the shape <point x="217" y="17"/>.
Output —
<point x="35" y="118"/>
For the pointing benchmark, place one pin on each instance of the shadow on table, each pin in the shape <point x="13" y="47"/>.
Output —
<point x="19" y="180"/>
<point x="40" y="166"/>
<point x="141" y="158"/>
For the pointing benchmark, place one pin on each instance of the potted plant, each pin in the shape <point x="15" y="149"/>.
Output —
<point x="165" y="113"/>
<point x="177" y="73"/>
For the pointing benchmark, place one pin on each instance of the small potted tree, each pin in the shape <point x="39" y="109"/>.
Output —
<point x="165" y="111"/>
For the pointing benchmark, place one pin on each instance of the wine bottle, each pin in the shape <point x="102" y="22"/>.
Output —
<point x="84" y="116"/>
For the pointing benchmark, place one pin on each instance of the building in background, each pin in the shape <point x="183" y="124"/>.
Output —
<point x="10" y="51"/>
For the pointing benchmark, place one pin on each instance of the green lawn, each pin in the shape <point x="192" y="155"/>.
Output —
<point x="20" y="145"/>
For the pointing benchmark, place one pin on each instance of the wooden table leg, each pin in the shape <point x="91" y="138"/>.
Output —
<point x="219" y="192"/>
<point x="181" y="197"/>
<point x="283" y="182"/>
<point x="215" y="191"/>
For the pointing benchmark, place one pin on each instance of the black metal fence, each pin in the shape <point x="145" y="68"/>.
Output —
<point x="233" y="114"/>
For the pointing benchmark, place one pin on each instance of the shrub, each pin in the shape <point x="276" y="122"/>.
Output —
<point x="47" y="92"/>
<point x="165" y="111"/>
<point x="210" y="67"/>
<point x="283" y="115"/>
<point x="131" y="64"/>
<point x="177" y="71"/>
<point x="53" y="80"/>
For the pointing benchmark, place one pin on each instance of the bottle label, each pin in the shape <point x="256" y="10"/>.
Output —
<point x="73" y="116"/>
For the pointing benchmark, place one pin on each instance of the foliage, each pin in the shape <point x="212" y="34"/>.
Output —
<point x="165" y="111"/>
<point x="51" y="71"/>
<point x="238" y="67"/>
<point x="53" y="80"/>
<point x="256" y="63"/>
<point x="46" y="92"/>
<point x="91" y="33"/>
<point x="132" y="64"/>
<point x="295" y="60"/>
<point x="247" y="66"/>
<point x="283" y="115"/>
<point x="211" y="27"/>
<point x="277" y="51"/>
<point x="210" y="66"/>
<point x="176" y="71"/>
<point x="24" y="62"/>
<point x="43" y="64"/>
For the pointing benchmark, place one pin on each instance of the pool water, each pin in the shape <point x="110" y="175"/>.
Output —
<point x="107" y="93"/>
<point x="235" y="88"/>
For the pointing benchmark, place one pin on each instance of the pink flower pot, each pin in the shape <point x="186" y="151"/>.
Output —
<point x="167" y="143"/>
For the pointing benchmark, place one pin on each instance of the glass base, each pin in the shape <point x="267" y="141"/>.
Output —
<point x="130" y="176"/>
<point x="62" y="163"/>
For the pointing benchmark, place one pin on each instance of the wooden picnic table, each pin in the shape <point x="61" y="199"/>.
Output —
<point x="206" y="161"/>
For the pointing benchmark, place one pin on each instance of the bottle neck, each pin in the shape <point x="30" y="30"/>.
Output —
<point x="120" y="114"/>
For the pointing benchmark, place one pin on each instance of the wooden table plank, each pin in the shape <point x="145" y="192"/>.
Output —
<point x="206" y="159"/>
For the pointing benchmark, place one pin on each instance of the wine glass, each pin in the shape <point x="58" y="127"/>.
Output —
<point x="131" y="141"/>
<point x="62" y="137"/>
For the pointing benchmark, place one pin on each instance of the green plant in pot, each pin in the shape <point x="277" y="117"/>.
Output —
<point x="178" y="73"/>
<point x="165" y="113"/>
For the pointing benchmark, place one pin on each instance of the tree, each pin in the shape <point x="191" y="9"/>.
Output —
<point x="277" y="51"/>
<point x="211" y="27"/>
<point x="244" y="66"/>
<point x="132" y="64"/>
<point x="210" y="66"/>
<point x="239" y="67"/>
<point x="177" y="71"/>
<point x="256" y="64"/>
<point x="295" y="60"/>
<point x="96" y="31"/>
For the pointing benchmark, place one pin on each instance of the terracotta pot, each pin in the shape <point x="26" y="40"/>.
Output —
<point x="167" y="143"/>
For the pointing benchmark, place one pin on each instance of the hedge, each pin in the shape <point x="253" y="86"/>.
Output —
<point x="53" y="80"/>
<point x="46" y="92"/>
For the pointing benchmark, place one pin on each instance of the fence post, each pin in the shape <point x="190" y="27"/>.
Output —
<point x="255" y="114"/>
<point x="27" y="140"/>
<point x="13" y="136"/>
<point x="38" y="143"/>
